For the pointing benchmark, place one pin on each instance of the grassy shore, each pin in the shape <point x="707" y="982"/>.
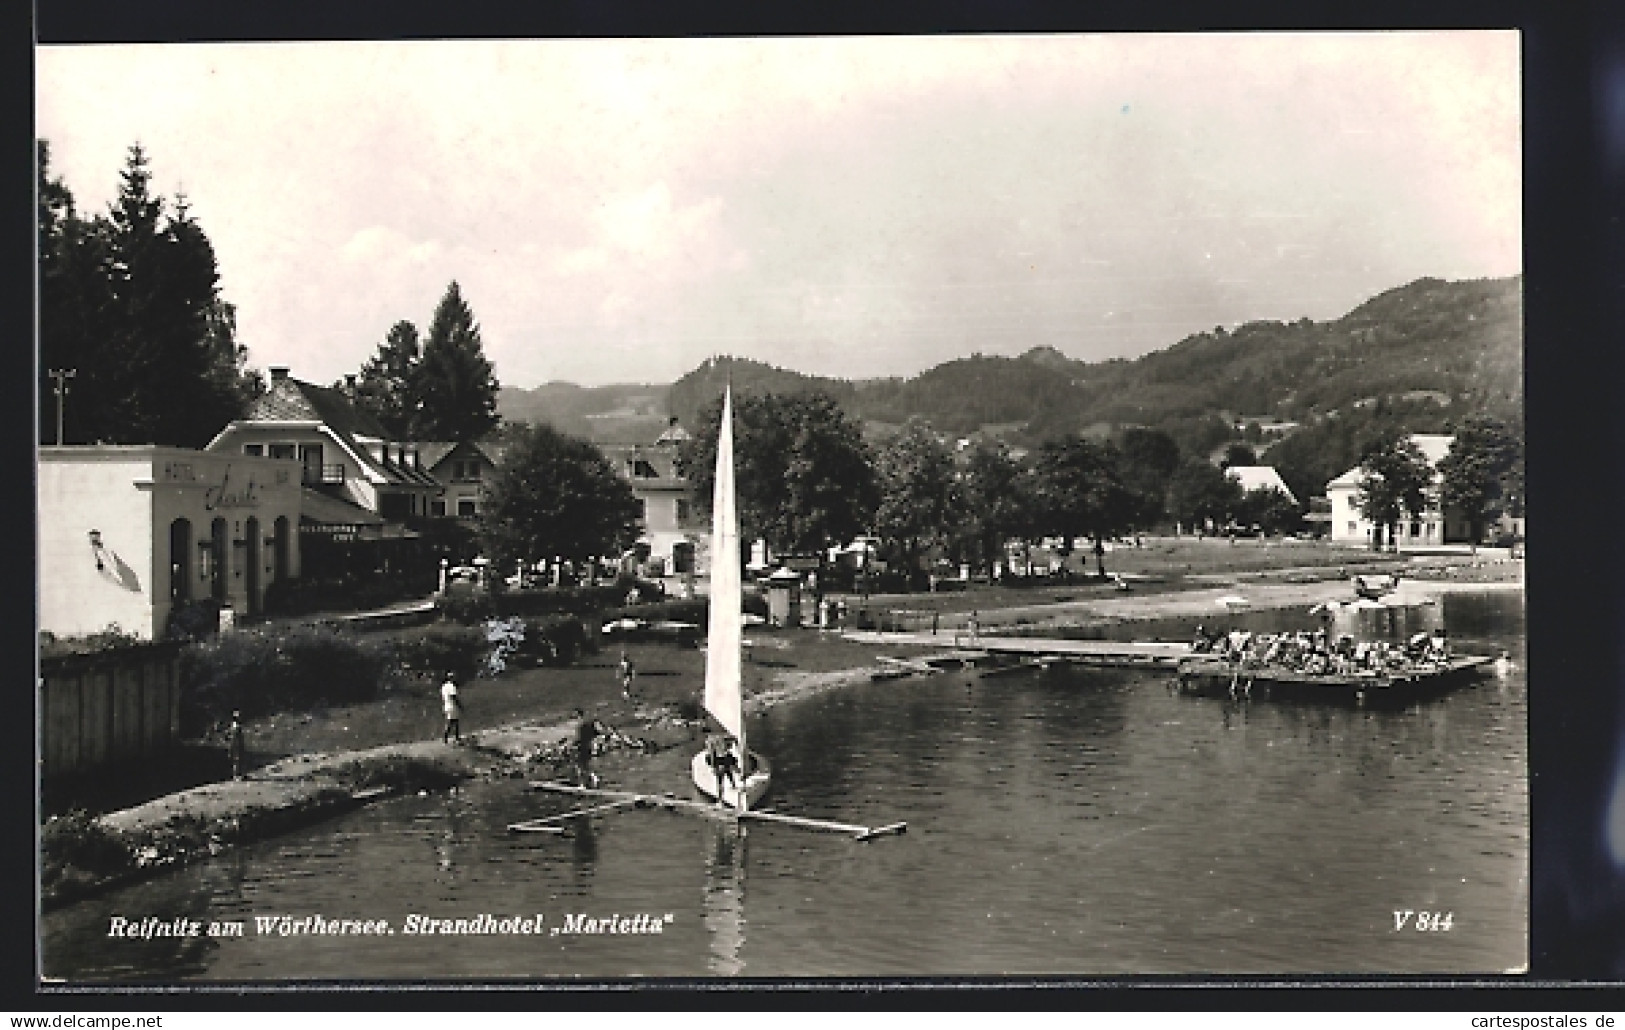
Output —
<point x="311" y="765"/>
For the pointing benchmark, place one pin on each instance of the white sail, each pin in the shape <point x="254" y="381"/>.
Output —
<point x="723" y="694"/>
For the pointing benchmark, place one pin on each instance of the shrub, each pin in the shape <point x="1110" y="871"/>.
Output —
<point x="566" y="639"/>
<point x="467" y="607"/>
<point x="110" y="639"/>
<point x="443" y="648"/>
<point x="195" y="620"/>
<point x="259" y="672"/>
<point x="559" y="600"/>
<point x="79" y="840"/>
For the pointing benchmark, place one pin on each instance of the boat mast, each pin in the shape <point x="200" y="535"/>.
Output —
<point x="724" y="687"/>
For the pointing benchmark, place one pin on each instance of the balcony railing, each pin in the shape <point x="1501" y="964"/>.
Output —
<point x="325" y="474"/>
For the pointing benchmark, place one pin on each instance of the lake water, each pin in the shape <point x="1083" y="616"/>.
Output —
<point x="1064" y="822"/>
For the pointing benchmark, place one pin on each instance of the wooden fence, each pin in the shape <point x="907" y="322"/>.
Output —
<point x="106" y="708"/>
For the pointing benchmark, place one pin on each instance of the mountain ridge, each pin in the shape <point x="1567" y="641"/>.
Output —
<point x="1419" y="355"/>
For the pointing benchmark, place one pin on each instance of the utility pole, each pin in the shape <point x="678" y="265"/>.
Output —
<point x="61" y="375"/>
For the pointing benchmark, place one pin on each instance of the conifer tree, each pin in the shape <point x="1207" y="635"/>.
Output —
<point x="388" y="387"/>
<point x="131" y="302"/>
<point x="456" y="383"/>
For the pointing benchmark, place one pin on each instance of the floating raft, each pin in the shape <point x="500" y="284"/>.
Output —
<point x="631" y="799"/>
<point x="1211" y="676"/>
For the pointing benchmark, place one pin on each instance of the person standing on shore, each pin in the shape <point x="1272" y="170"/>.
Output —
<point x="451" y="701"/>
<point x="628" y="672"/>
<point x="234" y="745"/>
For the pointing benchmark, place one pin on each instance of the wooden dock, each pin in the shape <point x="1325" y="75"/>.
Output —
<point x="961" y="649"/>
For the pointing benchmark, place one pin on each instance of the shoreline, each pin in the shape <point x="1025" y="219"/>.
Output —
<point x="174" y="830"/>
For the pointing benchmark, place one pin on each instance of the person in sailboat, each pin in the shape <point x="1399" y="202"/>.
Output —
<point x="723" y="757"/>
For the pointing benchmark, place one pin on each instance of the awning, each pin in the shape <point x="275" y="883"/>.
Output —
<point x="333" y="518"/>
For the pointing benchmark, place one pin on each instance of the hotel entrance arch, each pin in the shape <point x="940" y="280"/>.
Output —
<point x="254" y="558"/>
<point x="180" y="561"/>
<point x="279" y="549"/>
<point x="220" y="554"/>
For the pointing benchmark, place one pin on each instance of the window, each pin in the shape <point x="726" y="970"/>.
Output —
<point x="466" y="508"/>
<point x="253" y="450"/>
<point x="282" y="450"/>
<point x="643" y="470"/>
<point x="437" y="508"/>
<point x="683" y="509"/>
<point x="1354" y="527"/>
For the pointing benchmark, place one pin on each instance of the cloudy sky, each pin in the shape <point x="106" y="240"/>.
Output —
<point x="618" y="211"/>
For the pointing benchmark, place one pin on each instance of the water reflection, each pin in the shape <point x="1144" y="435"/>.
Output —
<point x="724" y="902"/>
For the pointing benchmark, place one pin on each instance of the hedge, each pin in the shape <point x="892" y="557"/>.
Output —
<point x="259" y="672"/>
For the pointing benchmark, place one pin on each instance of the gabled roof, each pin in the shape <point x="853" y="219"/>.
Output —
<point x="674" y="433"/>
<point x="1433" y="446"/>
<point x="291" y="400"/>
<point x="1259" y="477"/>
<point x="294" y="400"/>
<point x="433" y="452"/>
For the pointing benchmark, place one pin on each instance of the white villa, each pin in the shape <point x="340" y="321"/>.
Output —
<point x="1434" y="527"/>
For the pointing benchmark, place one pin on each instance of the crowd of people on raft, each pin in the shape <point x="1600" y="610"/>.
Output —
<point x="1319" y="653"/>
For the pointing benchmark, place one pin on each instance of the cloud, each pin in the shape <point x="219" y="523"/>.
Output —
<point x="379" y="243"/>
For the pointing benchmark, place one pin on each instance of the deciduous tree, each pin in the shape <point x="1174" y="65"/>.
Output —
<point x="557" y="495"/>
<point x="920" y="498"/>
<point x="804" y="477"/>
<point x="1394" y="483"/>
<point x="998" y="499"/>
<point x="1080" y="492"/>
<point x="1200" y="492"/>
<point x="1482" y="476"/>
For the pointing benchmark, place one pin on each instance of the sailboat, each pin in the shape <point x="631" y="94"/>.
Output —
<point x="724" y="690"/>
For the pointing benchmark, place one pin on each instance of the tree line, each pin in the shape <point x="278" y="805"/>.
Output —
<point x="807" y="479"/>
<point x="440" y="388"/>
<point x="144" y="346"/>
<point x="132" y="319"/>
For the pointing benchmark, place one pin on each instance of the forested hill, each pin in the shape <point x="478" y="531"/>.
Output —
<point x="1417" y="357"/>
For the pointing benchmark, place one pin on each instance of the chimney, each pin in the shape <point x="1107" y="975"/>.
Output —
<point x="279" y="373"/>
